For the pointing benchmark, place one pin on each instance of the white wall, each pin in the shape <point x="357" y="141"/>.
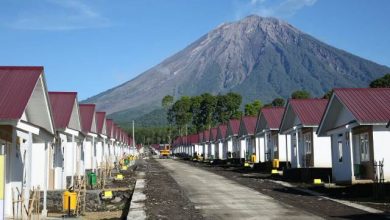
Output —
<point x="283" y="147"/>
<point x="220" y="150"/>
<point x="381" y="141"/>
<point x="242" y="147"/>
<point x="322" y="151"/>
<point x="99" y="153"/>
<point x="261" y="147"/>
<point x="88" y="154"/>
<point x="38" y="171"/>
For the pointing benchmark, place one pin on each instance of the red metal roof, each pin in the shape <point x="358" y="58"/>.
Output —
<point x="309" y="111"/>
<point x="100" y="119"/>
<point x="206" y="135"/>
<point x="368" y="105"/>
<point x="194" y="139"/>
<point x="17" y="85"/>
<point x="249" y="123"/>
<point x="273" y="116"/>
<point x="200" y="134"/>
<point x="62" y="106"/>
<point x="222" y="129"/>
<point x="86" y="114"/>
<point x="213" y="134"/>
<point x="235" y="125"/>
<point x="109" y="127"/>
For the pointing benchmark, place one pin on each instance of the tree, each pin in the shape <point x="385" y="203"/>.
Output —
<point x="300" y="94"/>
<point x="328" y="94"/>
<point x="383" y="82"/>
<point x="181" y="112"/>
<point x="167" y="102"/>
<point x="196" y="112"/>
<point x="278" y="102"/>
<point x="227" y="107"/>
<point x="207" y="109"/>
<point x="252" y="109"/>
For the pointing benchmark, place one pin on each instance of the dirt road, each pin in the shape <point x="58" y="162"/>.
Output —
<point x="220" y="198"/>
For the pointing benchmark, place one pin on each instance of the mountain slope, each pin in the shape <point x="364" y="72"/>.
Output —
<point x="260" y="58"/>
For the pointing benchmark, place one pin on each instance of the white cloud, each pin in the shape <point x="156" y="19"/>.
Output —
<point x="58" y="15"/>
<point x="273" y="8"/>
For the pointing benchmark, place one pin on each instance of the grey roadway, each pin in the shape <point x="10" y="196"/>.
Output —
<point x="221" y="198"/>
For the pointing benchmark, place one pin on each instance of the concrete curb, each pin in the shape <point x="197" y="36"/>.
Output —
<point x="344" y="202"/>
<point x="137" y="205"/>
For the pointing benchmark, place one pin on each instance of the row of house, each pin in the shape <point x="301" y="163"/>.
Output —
<point x="349" y="134"/>
<point x="47" y="139"/>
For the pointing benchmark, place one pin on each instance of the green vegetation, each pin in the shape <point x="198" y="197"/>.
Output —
<point x="300" y="94"/>
<point x="252" y="109"/>
<point x="383" y="82"/>
<point x="194" y="114"/>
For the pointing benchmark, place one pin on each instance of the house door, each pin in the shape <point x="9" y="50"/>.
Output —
<point x="308" y="149"/>
<point x="275" y="145"/>
<point x="363" y="155"/>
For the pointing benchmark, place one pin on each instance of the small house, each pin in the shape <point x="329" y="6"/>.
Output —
<point x="231" y="139"/>
<point x="300" y="120"/>
<point x="88" y="123"/>
<point x="270" y="144"/>
<point x="357" y="121"/>
<point x="246" y="134"/>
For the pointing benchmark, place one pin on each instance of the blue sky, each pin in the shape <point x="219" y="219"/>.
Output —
<point x="91" y="46"/>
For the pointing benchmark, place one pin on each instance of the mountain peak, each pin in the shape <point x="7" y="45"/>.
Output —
<point x="258" y="57"/>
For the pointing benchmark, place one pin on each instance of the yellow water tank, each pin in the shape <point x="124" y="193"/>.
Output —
<point x="253" y="158"/>
<point x="275" y="163"/>
<point x="69" y="200"/>
<point x="119" y="177"/>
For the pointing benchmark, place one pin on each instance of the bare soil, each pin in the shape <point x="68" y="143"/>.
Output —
<point x="165" y="199"/>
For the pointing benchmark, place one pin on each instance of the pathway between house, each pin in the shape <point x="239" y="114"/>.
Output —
<point x="220" y="198"/>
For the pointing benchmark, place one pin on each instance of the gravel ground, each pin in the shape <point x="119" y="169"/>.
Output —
<point x="164" y="198"/>
<point x="316" y="205"/>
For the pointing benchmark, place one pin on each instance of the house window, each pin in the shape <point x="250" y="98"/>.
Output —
<point x="364" y="147"/>
<point x="308" y="143"/>
<point x="340" y="145"/>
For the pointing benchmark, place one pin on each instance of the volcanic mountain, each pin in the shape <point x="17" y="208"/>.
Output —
<point x="260" y="58"/>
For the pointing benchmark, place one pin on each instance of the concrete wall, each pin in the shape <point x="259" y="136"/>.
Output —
<point x="322" y="151"/>
<point x="88" y="155"/>
<point x="381" y="141"/>
<point x="38" y="172"/>
<point x="283" y="147"/>
<point x="99" y="153"/>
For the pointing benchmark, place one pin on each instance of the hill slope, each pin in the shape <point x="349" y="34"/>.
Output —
<point x="260" y="58"/>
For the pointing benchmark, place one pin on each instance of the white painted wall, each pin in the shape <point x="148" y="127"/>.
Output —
<point x="38" y="165"/>
<point x="99" y="153"/>
<point x="381" y="141"/>
<point x="283" y="147"/>
<point x="261" y="147"/>
<point x="220" y="150"/>
<point x="88" y="155"/>
<point x="322" y="151"/>
<point x="242" y="147"/>
<point x="212" y="150"/>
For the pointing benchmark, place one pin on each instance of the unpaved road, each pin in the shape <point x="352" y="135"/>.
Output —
<point x="220" y="198"/>
<point x="164" y="197"/>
